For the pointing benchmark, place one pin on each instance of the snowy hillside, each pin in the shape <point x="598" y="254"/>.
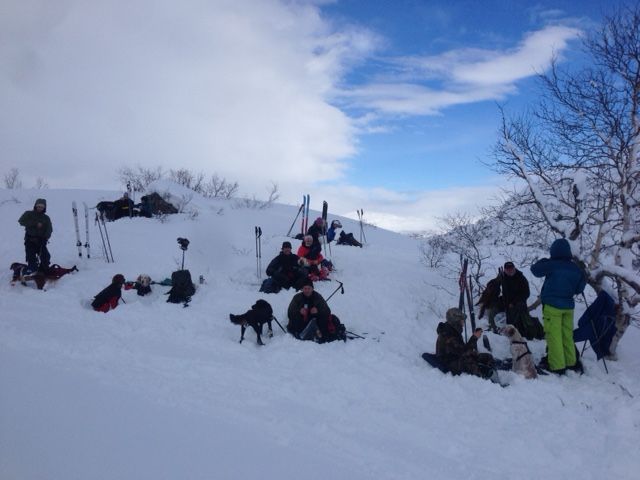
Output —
<point x="156" y="391"/>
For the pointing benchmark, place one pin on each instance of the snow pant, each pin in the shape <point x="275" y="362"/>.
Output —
<point x="558" y="331"/>
<point x="36" y="253"/>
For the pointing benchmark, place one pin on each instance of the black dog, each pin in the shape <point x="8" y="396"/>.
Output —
<point x="260" y="313"/>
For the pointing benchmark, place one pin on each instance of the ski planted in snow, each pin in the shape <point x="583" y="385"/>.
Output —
<point x="295" y="220"/>
<point x="74" y="209"/>
<point x="306" y="199"/>
<point x="462" y="283"/>
<point x="472" y="314"/>
<point x="86" y="225"/>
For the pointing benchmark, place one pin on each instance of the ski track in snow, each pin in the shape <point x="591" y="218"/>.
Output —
<point x="154" y="390"/>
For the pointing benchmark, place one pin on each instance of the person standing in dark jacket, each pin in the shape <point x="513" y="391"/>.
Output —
<point x="456" y="356"/>
<point x="515" y="292"/>
<point x="37" y="231"/>
<point x="562" y="280"/>
<point x="285" y="270"/>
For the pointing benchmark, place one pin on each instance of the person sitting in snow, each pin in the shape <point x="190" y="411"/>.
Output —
<point x="108" y="298"/>
<point x="348" y="239"/>
<point x="308" y="314"/>
<point x="331" y="233"/>
<point x="285" y="270"/>
<point x="123" y="207"/>
<point x="37" y="231"/>
<point x="311" y="259"/>
<point x="456" y="356"/>
<point x="316" y="231"/>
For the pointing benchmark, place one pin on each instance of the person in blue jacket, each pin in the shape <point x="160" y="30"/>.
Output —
<point x="562" y="280"/>
<point x="331" y="233"/>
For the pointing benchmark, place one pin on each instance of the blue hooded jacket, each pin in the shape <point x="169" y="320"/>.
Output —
<point x="563" y="278"/>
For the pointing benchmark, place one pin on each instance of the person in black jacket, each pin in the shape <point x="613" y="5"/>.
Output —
<point x="285" y="269"/>
<point x="123" y="207"/>
<point x="454" y="354"/>
<point x="37" y="231"/>
<point x="316" y="231"/>
<point x="515" y="292"/>
<point x="309" y="314"/>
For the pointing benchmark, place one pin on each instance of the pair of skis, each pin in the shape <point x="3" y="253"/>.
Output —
<point x="306" y="200"/>
<point x="363" y="237"/>
<point x="465" y="291"/>
<point x="74" y="208"/>
<point x="104" y="236"/>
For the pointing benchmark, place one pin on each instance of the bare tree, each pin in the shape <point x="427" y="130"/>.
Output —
<point x="257" y="204"/>
<point x="578" y="152"/>
<point x="218" y="187"/>
<point x="41" y="183"/>
<point x="433" y="250"/>
<point x="12" y="179"/>
<point x="138" y="178"/>
<point x="464" y="237"/>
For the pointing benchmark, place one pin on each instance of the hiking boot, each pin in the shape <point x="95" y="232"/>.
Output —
<point x="578" y="368"/>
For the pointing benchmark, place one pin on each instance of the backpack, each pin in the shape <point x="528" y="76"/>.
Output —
<point x="182" y="287"/>
<point x="269" y="285"/>
<point x="335" y="330"/>
<point x="528" y="326"/>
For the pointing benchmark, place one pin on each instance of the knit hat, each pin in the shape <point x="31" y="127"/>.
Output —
<point x="118" y="278"/>
<point x="455" y="316"/>
<point x="508" y="265"/>
<point x="307" y="281"/>
<point x="286" y="245"/>
<point x="336" y="224"/>
<point x="319" y="221"/>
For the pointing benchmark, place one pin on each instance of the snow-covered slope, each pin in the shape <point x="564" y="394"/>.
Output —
<point x="152" y="390"/>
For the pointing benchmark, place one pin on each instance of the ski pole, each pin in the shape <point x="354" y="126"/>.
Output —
<point x="295" y="219"/>
<point x="106" y="234"/>
<point x="340" y="287"/>
<point x="260" y="250"/>
<point x="364" y="237"/>
<point x="86" y="233"/>
<point x="276" y="320"/>
<point x="104" y="245"/>
<point x="354" y="334"/>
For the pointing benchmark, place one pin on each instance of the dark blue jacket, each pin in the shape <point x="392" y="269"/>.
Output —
<point x="331" y="234"/>
<point x="563" y="278"/>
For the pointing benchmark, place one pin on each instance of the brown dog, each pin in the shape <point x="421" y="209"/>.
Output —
<point x="522" y="359"/>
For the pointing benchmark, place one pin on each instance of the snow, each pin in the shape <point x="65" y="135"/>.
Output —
<point x="152" y="390"/>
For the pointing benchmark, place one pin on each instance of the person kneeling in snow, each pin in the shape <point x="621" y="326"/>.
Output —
<point x="308" y="314"/>
<point x="108" y="298"/>
<point x="456" y="356"/>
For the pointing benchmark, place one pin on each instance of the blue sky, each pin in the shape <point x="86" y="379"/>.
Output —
<point x="390" y="106"/>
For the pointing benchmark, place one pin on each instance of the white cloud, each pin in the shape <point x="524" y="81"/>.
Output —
<point x="224" y="86"/>
<point x="404" y="212"/>
<point x="431" y="84"/>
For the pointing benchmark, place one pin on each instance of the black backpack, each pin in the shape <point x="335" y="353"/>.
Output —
<point x="181" y="287"/>
<point x="334" y="330"/>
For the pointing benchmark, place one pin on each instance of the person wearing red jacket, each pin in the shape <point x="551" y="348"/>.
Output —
<point x="311" y="259"/>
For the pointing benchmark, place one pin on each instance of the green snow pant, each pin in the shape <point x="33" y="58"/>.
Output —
<point x="558" y="331"/>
